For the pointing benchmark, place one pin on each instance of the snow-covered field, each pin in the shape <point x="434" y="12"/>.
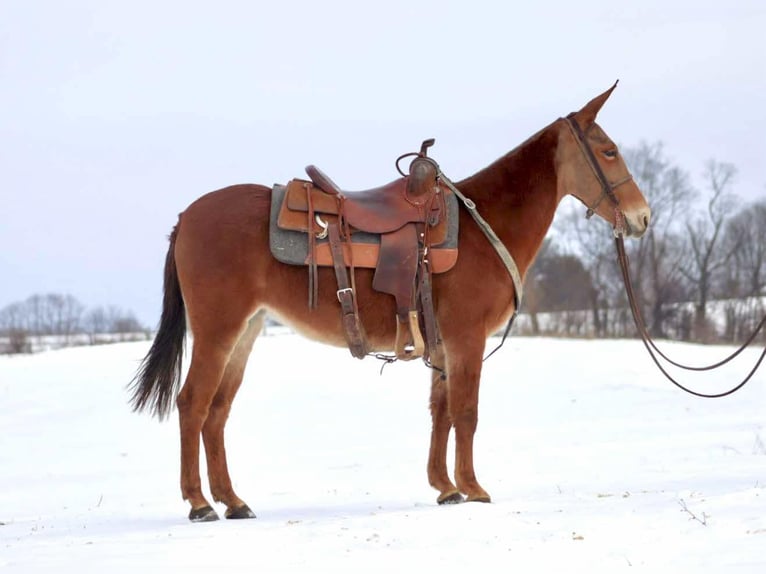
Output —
<point x="594" y="462"/>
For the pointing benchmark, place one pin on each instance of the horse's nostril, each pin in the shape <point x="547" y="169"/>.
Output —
<point x="646" y="221"/>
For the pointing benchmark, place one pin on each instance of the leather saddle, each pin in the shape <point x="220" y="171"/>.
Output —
<point x="405" y="230"/>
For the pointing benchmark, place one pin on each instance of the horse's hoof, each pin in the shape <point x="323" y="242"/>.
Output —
<point x="452" y="497"/>
<point x="239" y="513"/>
<point x="204" y="514"/>
<point x="481" y="498"/>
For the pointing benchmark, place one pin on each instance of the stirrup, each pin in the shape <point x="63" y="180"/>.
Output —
<point x="409" y="341"/>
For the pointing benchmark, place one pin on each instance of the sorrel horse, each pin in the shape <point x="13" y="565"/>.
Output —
<point x="221" y="277"/>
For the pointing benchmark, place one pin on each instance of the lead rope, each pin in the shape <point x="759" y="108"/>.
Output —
<point x="652" y="348"/>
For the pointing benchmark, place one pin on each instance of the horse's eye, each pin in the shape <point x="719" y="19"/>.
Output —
<point x="610" y="153"/>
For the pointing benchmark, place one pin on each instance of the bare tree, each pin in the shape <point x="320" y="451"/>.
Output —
<point x="53" y="314"/>
<point x="14" y="326"/>
<point x="127" y="324"/>
<point x="120" y="321"/>
<point x="558" y="282"/>
<point x="110" y="320"/>
<point x="61" y="315"/>
<point x="743" y="282"/>
<point x="14" y="316"/>
<point x="95" y="323"/>
<point x="656" y="258"/>
<point x="534" y="288"/>
<point x="746" y="237"/>
<point x="68" y="313"/>
<point x="591" y="240"/>
<point x="704" y="234"/>
<point x="41" y="315"/>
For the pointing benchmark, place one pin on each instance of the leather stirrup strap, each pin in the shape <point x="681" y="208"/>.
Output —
<point x="349" y="317"/>
<point x="312" y="254"/>
<point x="427" y="309"/>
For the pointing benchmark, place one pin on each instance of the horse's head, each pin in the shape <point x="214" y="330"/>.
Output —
<point x="591" y="169"/>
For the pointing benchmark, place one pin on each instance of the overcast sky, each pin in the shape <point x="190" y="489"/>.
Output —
<point x="114" y="116"/>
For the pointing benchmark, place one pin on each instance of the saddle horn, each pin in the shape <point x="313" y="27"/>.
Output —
<point x="423" y="172"/>
<point x="425" y="145"/>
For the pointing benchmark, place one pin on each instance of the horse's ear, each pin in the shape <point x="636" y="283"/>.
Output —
<point x="587" y="115"/>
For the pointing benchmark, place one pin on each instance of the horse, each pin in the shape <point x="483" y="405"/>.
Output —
<point x="221" y="279"/>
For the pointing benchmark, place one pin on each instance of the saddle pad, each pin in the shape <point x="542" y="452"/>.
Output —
<point x="291" y="246"/>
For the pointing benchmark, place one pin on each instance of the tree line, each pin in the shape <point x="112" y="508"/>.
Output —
<point x="61" y="317"/>
<point x="699" y="272"/>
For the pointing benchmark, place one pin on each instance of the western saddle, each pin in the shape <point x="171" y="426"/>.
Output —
<point x="405" y="230"/>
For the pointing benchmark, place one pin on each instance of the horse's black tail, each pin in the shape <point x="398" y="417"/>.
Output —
<point x="156" y="383"/>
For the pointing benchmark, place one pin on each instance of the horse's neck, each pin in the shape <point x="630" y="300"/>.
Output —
<point x="517" y="195"/>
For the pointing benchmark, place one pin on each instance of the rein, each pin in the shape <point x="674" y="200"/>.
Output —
<point x="651" y="347"/>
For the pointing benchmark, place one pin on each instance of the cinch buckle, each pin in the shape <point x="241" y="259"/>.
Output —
<point x="339" y="292"/>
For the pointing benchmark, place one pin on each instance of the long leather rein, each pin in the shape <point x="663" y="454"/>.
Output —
<point x="652" y="349"/>
<point x="622" y="257"/>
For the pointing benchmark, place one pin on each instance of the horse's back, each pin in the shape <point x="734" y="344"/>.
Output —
<point x="227" y="272"/>
<point x="244" y="205"/>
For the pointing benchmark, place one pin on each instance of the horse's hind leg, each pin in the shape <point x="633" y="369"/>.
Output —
<point x="438" y="477"/>
<point x="213" y="429"/>
<point x="213" y="346"/>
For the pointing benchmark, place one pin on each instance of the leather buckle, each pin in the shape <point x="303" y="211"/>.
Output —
<point x="340" y="292"/>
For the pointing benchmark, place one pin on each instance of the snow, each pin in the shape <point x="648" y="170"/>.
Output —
<point x="594" y="463"/>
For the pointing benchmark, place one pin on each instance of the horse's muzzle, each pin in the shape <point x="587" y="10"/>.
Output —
<point x="637" y="222"/>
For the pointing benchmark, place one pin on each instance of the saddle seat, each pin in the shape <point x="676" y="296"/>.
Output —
<point x="378" y="210"/>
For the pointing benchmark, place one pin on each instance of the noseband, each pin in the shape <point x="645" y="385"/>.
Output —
<point x="607" y="188"/>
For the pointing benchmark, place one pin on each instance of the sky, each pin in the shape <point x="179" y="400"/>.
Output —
<point x="114" y="116"/>
<point x="588" y="472"/>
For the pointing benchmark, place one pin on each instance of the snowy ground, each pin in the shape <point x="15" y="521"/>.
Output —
<point x="594" y="462"/>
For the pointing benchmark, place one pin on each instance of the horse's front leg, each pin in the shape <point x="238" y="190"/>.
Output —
<point x="438" y="477"/>
<point x="464" y="371"/>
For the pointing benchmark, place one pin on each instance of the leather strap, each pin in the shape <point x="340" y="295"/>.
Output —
<point x="652" y="349"/>
<point x="427" y="309"/>
<point x="494" y="240"/>
<point x="352" y="327"/>
<point x="607" y="188"/>
<point x="502" y="252"/>
<point x="312" y="259"/>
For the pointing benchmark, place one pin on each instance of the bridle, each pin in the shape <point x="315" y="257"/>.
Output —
<point x="607" y="191"/>
<point x="607" y="187"/>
